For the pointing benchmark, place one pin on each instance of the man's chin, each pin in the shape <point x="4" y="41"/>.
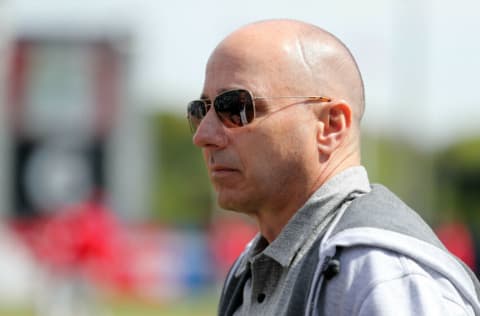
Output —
<point x="233" y="205"/>
<point x="227" y="204"/>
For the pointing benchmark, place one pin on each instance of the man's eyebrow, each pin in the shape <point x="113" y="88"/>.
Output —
<point x="205" y="97"/>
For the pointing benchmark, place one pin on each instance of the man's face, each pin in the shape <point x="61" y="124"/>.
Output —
<point x="266" y="163"/>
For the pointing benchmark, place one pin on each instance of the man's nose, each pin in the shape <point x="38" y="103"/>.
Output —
<point x="210" y="132"/>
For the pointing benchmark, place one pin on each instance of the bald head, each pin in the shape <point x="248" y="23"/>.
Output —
<point x="296" y="57"/>
<point x="251" y="167"/>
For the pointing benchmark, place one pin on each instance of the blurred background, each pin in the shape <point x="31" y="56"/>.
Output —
<point x="105" y="205"/>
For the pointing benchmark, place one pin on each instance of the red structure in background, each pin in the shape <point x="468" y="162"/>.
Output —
<point x="84" y="239"/>
<point x="228" y="238"/>
<point x="459" y="240"/>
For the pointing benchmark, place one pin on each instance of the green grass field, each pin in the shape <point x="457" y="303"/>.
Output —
<point x="200" y="306"/>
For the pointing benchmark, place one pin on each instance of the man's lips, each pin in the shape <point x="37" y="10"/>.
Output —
<point x="221" y="171"/>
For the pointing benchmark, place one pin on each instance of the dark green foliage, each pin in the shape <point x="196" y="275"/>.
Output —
<point x="181" y="192"/>
<point x="458" y="175"/>
<point x="406" y="170"/>
<point x="443" y="186"/>
<point x="440" y="185"/>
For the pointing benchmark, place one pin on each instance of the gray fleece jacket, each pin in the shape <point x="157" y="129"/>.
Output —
<point x="378" y="257"/>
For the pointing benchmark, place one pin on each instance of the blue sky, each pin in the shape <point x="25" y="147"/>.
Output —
<point x="419" y="58"/>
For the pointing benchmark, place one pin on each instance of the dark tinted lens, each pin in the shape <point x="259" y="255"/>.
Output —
<point x="196" y="112"/>
<point x="235" y="108"/>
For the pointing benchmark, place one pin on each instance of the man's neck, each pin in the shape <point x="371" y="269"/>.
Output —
<point x="273" y="219"/>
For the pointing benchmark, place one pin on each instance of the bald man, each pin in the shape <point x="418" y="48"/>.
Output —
<point x="278" y="123"/>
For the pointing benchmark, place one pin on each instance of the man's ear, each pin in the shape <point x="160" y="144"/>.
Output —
<point x="335" y="120"/>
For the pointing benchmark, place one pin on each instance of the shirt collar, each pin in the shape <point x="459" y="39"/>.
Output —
<point x="325" y="200"/>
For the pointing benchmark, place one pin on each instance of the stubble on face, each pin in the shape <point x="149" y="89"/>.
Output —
<point x="269" y="162"/>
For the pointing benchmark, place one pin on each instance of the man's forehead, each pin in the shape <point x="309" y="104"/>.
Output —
<point x="207" y="95"/>
<point x="252" y="61"/>
<point x="228" y="74"/>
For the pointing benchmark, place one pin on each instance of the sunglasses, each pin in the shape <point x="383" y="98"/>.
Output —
<point x="234" y="108"/>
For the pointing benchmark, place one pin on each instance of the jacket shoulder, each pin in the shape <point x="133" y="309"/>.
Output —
<point x="380" y="208"/>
